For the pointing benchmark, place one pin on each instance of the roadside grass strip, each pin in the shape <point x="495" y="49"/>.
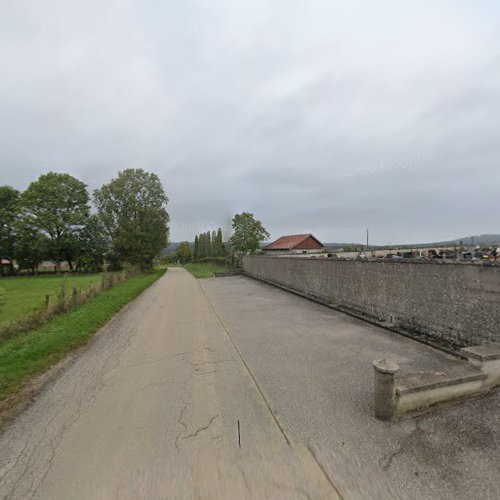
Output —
<point x="206" y="269"/>
<point x="26" y="355"/>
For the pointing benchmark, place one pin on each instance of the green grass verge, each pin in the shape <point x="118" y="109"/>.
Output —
<point x="206" y="269"/>
<point x="23" y="294"/>
<point x="29" y="354"/>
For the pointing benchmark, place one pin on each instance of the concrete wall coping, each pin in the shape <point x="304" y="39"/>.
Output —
<point x="484" y="352"/>
<point x="384" y="261"/>
<point x="400" y="395"/>
<point x="424" y="381"/>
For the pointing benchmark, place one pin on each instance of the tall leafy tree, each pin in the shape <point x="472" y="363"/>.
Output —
<point x="219" y="245"/>
<point x="132" y="210"/>
<point x="208" y="244"/>
<point x="57" y="205"/>
<point x="32" y="246"/>
<point x="196" y="247"/>
<point x="93" y="246"/>
<point x="9" y="207"/>
<point x="215" y="250"/>
<point x="248" y="233"/>
<point x="184" y="252"/>
<point x="205" y="251"/>
<point x="201" y="246"/>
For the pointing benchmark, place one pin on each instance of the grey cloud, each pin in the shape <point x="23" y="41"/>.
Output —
<point x="326" y="117"/>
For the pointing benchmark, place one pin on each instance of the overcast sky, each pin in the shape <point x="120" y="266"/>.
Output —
<point x="317" y="116"/>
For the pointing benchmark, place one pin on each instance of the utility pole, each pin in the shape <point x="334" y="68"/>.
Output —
<point x="367" y="236"/>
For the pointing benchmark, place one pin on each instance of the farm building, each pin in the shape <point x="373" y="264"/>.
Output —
<point x="295" y="243"/>
<point x="6" y="266"/>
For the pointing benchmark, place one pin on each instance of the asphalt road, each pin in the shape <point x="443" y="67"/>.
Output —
<point x="230" y="388"/>
<point x="314" y="365"/>
<point x="160" y="405"/>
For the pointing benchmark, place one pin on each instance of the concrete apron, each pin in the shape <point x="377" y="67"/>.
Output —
<point x="396" y="396"/>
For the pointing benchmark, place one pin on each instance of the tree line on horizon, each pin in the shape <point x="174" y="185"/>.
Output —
<point x="53" y="220"/>
<point x="209" y="245"/>
<point x="206" y="245"/>
<point x="247" y="236"/>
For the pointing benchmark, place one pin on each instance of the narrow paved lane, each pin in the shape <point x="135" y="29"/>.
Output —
<point x="161" y="386"/>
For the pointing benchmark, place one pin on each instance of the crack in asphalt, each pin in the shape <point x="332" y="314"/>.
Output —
<point x="180" y="421"/>
<point x="386" y="461"/>
<point x="173" y="356"/>
<point x="157" y="360"/>
<point x="200" y="429"/>
<point x="204" y="373"/>
<point x="202" y="363"/>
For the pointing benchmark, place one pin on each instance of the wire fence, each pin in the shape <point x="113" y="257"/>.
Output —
<point x="65" y="300"/>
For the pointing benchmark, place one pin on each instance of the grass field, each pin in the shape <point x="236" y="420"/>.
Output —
<point x="206" y="269"/>
<point x="21" y="295"/>
<point x="31" y="353"/>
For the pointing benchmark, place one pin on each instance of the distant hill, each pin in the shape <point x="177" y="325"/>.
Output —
<point x="342" y="245"/>
<point x="172" y="247"/>
<point x="482" y="239"/>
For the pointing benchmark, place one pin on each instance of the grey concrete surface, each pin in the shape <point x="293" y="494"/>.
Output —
<point x="455" y="303"/>
<point x="314" y="365"/>
<point x="148" y="410"/>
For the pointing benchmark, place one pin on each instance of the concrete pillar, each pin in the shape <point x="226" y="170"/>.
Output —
<point x="385" y="388"/>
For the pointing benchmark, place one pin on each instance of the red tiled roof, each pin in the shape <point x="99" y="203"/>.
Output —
<point x="290" y="242"/>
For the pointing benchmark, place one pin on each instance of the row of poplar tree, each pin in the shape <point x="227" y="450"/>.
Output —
<point x="209" y="245"/>
<point x="53" y="220"/>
